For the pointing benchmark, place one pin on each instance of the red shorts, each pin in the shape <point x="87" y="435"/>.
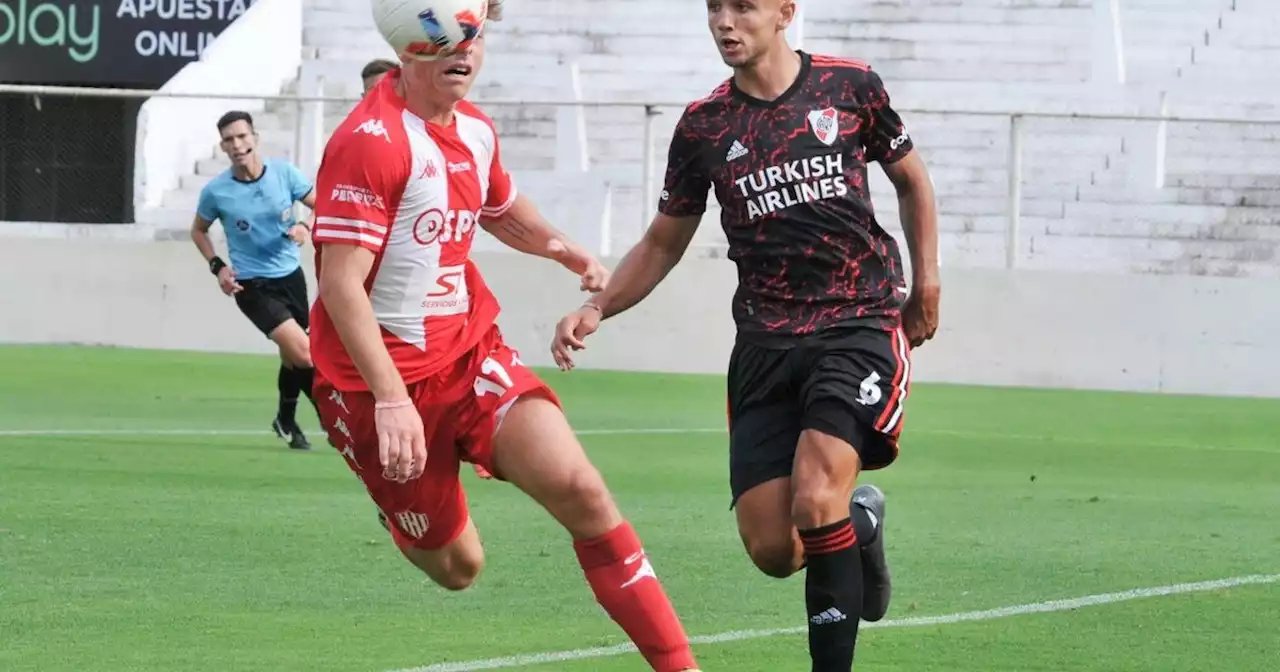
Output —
<point x="461" y="408"/>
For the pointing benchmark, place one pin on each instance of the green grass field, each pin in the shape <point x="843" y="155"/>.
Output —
<point x="138" y="550"/>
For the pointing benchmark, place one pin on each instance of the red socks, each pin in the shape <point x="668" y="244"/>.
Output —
<point x="626" y="586"/>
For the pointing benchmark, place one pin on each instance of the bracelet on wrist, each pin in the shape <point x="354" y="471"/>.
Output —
<point x="387" y="405"/>
<point x="216" y="264"/>
<point x="594" y="307"/>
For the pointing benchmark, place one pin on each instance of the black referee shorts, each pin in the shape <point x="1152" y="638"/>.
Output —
<point x="270" y="302"/>
<point x="852" y="384"/>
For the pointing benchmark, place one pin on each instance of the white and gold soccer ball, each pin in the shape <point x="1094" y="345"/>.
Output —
<point x="429" y="29"/>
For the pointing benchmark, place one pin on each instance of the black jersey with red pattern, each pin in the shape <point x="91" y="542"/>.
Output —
<point x="791" y="179"/>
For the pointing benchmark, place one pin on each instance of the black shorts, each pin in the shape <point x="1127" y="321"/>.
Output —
<point x="270" y="302"/>
<point x="852" y="384"/>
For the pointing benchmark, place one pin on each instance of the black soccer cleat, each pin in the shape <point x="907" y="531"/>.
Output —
<point x="297" y="440"/>
<point x="279" y="428"/>
<point x="876" y="588"/>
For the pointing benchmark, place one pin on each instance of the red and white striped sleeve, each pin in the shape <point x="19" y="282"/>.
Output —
<point x="502" y="189"/>
<point x="358" y="189"/>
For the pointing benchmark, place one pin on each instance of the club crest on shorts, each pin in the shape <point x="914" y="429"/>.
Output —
<point x="413" y="524"/>
<point x="825" y="124"/>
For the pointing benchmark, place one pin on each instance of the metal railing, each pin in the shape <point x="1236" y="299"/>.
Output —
<point x="1150" y="134"/>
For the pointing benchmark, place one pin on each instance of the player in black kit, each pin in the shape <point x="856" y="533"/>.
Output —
<point x="820" y="371"/>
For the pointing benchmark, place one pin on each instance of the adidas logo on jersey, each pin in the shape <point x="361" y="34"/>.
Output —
<point x="827" y="617"/>
<point x="374" y="127"/>
<point x="736" y="151"/>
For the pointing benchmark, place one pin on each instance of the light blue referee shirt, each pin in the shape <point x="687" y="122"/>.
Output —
<point x="256" y="217"/>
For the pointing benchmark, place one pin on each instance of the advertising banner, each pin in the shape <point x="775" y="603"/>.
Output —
<point x="121" y="43"/>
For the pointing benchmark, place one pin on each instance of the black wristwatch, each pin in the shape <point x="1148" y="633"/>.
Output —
<point x="216" y="264"/>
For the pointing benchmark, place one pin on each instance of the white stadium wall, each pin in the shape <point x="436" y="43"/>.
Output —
<point x="1148" y="252"/>
<point x="1176" y="334"/>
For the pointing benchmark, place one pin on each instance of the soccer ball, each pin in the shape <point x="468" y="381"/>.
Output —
<point x="426" y="30"/>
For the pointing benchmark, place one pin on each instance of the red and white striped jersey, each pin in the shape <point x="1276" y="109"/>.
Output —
<point x="412" y="192"/>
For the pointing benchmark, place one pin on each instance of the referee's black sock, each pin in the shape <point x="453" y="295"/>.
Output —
<point x="305" y="378"/>
<point x="832" y="594"/>
<point x="287" y="383"/>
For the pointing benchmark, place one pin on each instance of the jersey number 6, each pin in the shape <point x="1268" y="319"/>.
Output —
<point x="869" y="393"/>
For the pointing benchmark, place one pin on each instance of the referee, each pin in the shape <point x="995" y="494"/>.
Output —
<point x="253" y="199"/>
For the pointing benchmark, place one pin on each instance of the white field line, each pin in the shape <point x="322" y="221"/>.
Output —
<point x="918" y="621"/>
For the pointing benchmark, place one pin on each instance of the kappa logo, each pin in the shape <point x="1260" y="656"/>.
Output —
<point x="336" y="397"/>
<point x="825" y="124"/>
<point x="350" y="455"/>
<point x="374" y="127"/>
<point x="430" y="170"/>
<point x="644" y="571"/>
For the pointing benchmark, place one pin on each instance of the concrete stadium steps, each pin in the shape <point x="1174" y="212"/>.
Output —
<point x="1055" y="217"/>
<point x="1128" y="251"/>
<point x="343" y="15"/>
<point x="1236" y="184"/>
<point x="967" y="157"/>
<point x="1234" y="47"/>
<point x="1117" y="254"/>
<point x="964" y="140"/>
<point x="1112" y="254"/>
<point x="516" y="124"/>
<point x="1049" y="221"/>
<point x="1007" y="14"/>
<point x="1208" y="137"/>
<point x="1160" y="36"/>
<point x="1239" y="198"/>
<point x="1089" y="199"/>
<point x="336" y="43"/>
<point x="1105" y="226"/>
<point x="844" y="25"/>
<point x="983" y="41"/>
<point x="1213" y="267"/>
<point x="341" y="73"/>
<point x="1238" y="163"/>
<point x="878" y="52"/>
